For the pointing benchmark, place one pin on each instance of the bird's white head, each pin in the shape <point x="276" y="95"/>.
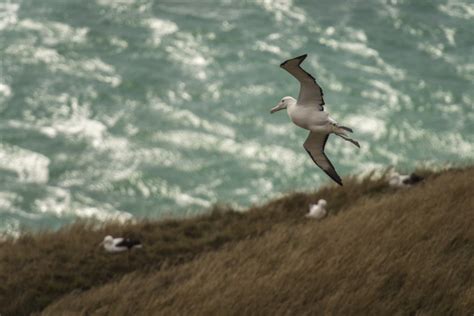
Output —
<point x="392" y="173"/>
<point x="283" y="104"/>
<point x="322" y="203"/>
<point x="108" y="240"/>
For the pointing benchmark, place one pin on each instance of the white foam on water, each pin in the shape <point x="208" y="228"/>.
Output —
<point x="389" y="9"/>
<point x="53" y="33"/>
<point x="283" y="10"/>
<point x="85" y="207"/>
<point x="8" y="14"/>
<point x="260" y="188"/>
<point x="179" y="93"/>
<point x="363" y="50"/>
<point x="257" y="90"/>
<point x="118" y="42"/>
<point x="434" y="50"/>
<point x="121" y="163"/>
<point x="159" y="28"/>
<point x="188" y="118"/>
<point x="70" y="119"/>
<point x="162" y="188"/>
<point x="453" y="143"/>
<point x="276" y="129"/>
<point x="364" y="68"/>
<point x="266" y="47"/>
<point x="57" y="201"/>
<point x="458" y="9"/>
<point x="81" y="125"/>
<point x="50" y="132"/>
<point x="367" y="168"/>
<point x="7" y="200"/>
<point x="373" y="126"/>
<point x="165" y="157"/>
<point x="116" y="4"/>
<point x="34" y="55"/>
<point x="96" y="69"/>
<point x="393" y="158"/>
<point x="184" y="199"/>
<point x="466" y="71"/>
<point x="101" y="214"/>
<point x="354" y="41"/>
<point x="30" y="166"/>
<point x="346" y="39"/>
<point x="450" y="34"/>
<point x="213" y="91"/>
<point x="208" y="189"/>
<point x="10" y="228"/>
<point x="190" y="51"/>
<point x="93" y="68"/>
<point x="445" y="96"/>
<point x="386" y="95"/>
<point x="60" y="203"/>
<point x="5" y="90"/>
<point x="287" y="159"/>
<point x="353" y="47"/>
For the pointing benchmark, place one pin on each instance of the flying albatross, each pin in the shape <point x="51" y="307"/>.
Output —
<point x="308" y="112"/>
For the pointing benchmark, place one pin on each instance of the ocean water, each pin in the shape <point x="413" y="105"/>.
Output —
<point x="118" y="109"/>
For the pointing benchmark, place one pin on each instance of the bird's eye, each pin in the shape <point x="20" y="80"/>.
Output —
<point x="283" y="101"/>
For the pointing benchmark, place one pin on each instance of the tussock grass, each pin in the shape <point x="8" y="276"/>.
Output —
<point x="380" y="251"/>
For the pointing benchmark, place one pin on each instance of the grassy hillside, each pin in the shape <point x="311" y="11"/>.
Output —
<point x="381" y="250"/>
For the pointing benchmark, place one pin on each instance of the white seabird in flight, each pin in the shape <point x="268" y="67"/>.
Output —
<point x="308" y="112"/>
<point x="119" y="244"/>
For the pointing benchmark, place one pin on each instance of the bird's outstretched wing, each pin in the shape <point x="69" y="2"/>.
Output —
<point x="314" y="145"/>
<point x="310" y="91"/>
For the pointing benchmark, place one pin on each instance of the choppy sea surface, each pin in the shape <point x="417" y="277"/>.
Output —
<point x="141" y="108"/>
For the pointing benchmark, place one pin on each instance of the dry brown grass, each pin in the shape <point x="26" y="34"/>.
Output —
<point x="385" y="252"/>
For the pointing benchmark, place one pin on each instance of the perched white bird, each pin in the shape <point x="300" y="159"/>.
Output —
<point x="119" y="244"/>
<point x="317" y="211"/>
<point x="403" y="181"/>
<point x="308" y="112"/>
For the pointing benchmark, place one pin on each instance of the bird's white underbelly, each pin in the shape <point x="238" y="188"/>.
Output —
<point x="309" y="117"/>
<point x="115" y="248"/>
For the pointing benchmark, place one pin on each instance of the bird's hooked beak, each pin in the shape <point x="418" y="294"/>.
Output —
<point x="278" y="107"/>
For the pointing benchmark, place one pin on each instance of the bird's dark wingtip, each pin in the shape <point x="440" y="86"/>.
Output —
<point x="335" y="178"/>
<point x="300" y="58"/>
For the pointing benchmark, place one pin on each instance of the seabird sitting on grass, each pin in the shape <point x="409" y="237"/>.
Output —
<point x="120" y="244"/>
<point x="402" y="181"/>
<point x="308" y="112"/>
<point x="317" y="211"/>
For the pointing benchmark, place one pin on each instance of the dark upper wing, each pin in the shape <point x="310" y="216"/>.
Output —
<point x="413" y="178"/>
<point x="127" y="242"/>
<point x="310" y="91"/>
<point x="314" y="145"/>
